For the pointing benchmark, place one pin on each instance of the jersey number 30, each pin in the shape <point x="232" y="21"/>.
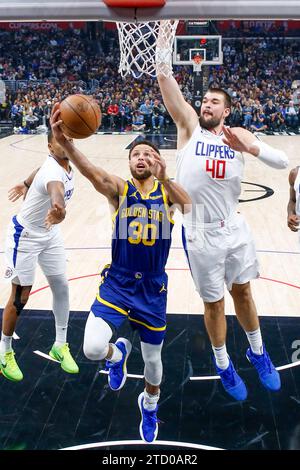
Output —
<point x="141" y="233"/>
<point x="216" y="168"/>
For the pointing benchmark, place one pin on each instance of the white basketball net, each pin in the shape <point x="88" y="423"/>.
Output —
<point x="146" y="48"/>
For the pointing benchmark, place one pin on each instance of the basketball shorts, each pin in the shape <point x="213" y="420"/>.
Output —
<point x="24" y="248"/>
<point x="139" y="297"/>
<point x="220" y="253"/>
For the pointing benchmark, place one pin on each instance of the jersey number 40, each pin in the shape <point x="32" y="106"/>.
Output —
<point x="216" y="168"/>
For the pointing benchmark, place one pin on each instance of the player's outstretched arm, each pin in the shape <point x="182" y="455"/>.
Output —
<point x="184" y="116"/>
<point x="21" y="189"/>
<point x="108" y="185"/>
<point x="181" y="112"/>
<point x="57" y="212"/>
<point x="175" y="193"/>
<point x="292" y="219"/>
<point x="241" y="140"/>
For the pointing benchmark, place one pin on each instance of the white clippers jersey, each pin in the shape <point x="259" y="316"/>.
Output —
<point x="211" y="173"/>
<point x="37" y="203"/>
<point x="297" y="191"/>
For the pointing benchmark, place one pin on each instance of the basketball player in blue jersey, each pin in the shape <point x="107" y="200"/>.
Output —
<point x="134" y="286"/>
<point x="219" y="245"/>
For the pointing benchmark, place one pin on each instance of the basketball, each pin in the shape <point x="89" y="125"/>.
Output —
<point x="81" y="116"/>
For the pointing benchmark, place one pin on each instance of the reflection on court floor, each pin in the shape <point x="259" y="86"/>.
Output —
<point x="50" y="409"/>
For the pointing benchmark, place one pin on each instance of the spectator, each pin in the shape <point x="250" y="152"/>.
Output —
<point x="146" y="110"/>
<point x="236" y="117"/>
<point x="247" y="114"/>
<point x="291" y="115"/>
<point x="138" y="121"/>
<point x="270" y="112"/>
<point x="158" y="112"/>
<point x="113" y="113"/>
<point x="258" y="122"/>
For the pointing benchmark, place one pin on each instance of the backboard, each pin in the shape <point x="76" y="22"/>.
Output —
<point x="210" y="48"/>
<point x="95" y="10"/>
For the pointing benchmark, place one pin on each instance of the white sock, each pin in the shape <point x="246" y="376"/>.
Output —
<point x="5" y="344"/>
<point x="150" y="401"/>
<point x="221" y="356"/>
<point x="255" y="341"/>
<point x="60" y="292"/>
<point x="61" y="335"/>
<point x="116" y="355"/>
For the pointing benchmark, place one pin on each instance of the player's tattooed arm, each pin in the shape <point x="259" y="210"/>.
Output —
<point x="292" y="219"/>
<point x="109" y="185"/>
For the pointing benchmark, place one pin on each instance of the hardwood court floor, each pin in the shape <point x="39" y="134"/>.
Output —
<point x="50" y="409"/>
<point x="87" y="227"/>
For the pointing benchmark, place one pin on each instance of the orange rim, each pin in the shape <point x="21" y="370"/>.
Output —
<point x="135" y="3"/>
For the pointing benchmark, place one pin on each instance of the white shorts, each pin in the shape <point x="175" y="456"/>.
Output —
<point x="24" y="248"/>
<point x="220" y="254"/>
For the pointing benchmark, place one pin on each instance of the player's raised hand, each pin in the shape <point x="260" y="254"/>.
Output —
<point x="157" y="165"/>
<point x="55" y="215"/>
<point x="237" y="140"/>
<point x="293" y="222"/>
<point x="17" y="191"/>
<point x="55" y="123"/>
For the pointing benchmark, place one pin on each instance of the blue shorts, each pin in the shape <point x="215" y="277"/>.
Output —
<point x="140" y="297"/>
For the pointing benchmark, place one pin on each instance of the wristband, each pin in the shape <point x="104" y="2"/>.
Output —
<point x="163" y="61"/>
<point x="270" y="156"/>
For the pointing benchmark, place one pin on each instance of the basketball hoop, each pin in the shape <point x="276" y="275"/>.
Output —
<point x="139" y="53"/>
<point x="197" y="63"/>
<point x="135" y="3"/>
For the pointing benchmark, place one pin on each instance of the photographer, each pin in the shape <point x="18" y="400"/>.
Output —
<point x="158" y="118"/>
<point x="258" y="121"/>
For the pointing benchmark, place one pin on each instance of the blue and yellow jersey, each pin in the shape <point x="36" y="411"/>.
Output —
<point x="142" y="228"/>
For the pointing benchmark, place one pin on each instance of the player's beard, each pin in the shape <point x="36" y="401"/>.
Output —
<point x="141" y="176"/>
<point x="209" y="123"/>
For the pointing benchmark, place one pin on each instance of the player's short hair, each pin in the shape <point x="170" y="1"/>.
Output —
<point x="143" y="142"/>
<point x="226" y="96"/>
<point x="50" y="136"/>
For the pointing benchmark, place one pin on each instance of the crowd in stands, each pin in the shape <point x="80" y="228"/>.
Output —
<point x="260" y="75"/>
<point x="258" y="28"/>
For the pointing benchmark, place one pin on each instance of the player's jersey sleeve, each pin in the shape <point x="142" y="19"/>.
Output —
<point x="46" y="175"/>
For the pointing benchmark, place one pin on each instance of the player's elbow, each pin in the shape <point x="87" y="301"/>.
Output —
<point x="285" y="161"/>
<point x="282" y="160"/>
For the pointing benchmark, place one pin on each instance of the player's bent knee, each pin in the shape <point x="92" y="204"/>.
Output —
<point x="59" y="285"/>
<point x="97" y="335"/>
<point x="21" y="298"/>
<point x="214" y="308"/>
<point x="93" y="350"/>
<point x="241" y="291"/>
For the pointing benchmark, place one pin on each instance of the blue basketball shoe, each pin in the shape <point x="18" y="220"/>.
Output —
<point x="117" y="370"/>
<point x="232" y="382"/>
<point x="149" y="421"/>
<point x="268" y="375"/>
